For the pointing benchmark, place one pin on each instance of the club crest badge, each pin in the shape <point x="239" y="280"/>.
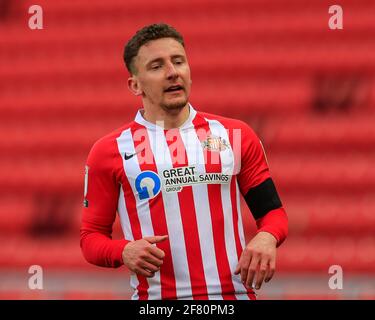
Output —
<point x="214" y="143"/>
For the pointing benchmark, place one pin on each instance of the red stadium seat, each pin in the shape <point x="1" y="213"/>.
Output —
<point x="325" y="215"/>
<point x="318" y="253"/>
<point x="332" y="173"/>
<point x="317" y="133"/>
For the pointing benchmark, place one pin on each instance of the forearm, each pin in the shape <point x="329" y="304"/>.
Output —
<point x="276" y="223"/>
<point x="101" y="250"/>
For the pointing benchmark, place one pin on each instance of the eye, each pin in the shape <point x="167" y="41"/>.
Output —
<point x="155" y="67"/>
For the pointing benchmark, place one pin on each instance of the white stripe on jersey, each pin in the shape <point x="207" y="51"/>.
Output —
<point x="124" y="217"/>
<point x="226" y="157"/>
<point x="240" y="225"/>
<point x="126" y="229"/>
<point x="131" y="166"/>
<point x="195" y="157"/>
<point x="163" y="161"/>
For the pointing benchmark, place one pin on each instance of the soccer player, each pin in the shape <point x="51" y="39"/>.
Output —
<point x="175" y="176"/>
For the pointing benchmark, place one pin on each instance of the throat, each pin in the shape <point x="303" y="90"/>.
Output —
<point x="168" y="118"/>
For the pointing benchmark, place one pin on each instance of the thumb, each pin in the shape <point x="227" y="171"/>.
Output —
<point x="156" y="239"/>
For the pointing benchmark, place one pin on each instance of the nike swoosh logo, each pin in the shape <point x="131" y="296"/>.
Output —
<point x="128" y="156"/>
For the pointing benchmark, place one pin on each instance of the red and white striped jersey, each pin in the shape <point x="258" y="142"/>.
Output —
<point x="186" y="183"/>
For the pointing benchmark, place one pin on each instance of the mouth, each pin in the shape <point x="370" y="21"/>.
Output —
<point x="174" y="89"/>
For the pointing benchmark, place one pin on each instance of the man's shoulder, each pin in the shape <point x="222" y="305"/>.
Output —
<point x="107" y="144"/>
<point x="228" y="123"/>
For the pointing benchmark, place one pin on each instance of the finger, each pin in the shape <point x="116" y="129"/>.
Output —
<point x="271" y="270"/>
<point x="245" y="262"/>
<point x="154" y="260"/>
<point x="238" y="268"/>
<point x="156" y="239"/>
<point x="150" y="267"/>
<point x="158" y="253"/>
<point x="144" y="272"/>
<point x="267" y="275"/>
<point x="261" y="273"/>
<point x="252" y="270"/>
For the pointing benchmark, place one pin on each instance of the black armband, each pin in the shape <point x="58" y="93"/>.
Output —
<point x="263" y="198"/>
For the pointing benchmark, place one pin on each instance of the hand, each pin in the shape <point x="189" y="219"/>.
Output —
<point x="142" y="257"/>
<point x="258" y="260"/>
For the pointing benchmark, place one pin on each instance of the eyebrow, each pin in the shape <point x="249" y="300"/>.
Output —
<point x="161" y="59"/>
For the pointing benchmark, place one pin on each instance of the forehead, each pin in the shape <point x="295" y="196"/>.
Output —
<point x="160" y="48"/>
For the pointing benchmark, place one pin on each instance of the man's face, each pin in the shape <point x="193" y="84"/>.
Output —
<point x="163" y="74"/>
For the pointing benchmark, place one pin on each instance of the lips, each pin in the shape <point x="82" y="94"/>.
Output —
<point x="174" y="88"/>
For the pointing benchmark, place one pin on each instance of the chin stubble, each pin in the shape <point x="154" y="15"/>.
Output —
<point x="174" y="106"/>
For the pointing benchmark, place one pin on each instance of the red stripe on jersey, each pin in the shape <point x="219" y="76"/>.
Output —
<point x="158" y="218"/>
<point x="135" y="225"/>
<point x="188" y="218"/>
<point x="252" y="296"/>
<point x="216" y="210"/>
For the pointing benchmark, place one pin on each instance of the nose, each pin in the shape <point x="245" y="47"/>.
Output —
<point x="171" y="72"/>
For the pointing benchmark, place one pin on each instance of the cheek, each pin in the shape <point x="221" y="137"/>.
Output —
<point x="187" y="76"/>
<point x="188" y="80"/>
<point x="150" y="87"/>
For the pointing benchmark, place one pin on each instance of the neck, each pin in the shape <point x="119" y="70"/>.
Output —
<point x="168" y="119"/>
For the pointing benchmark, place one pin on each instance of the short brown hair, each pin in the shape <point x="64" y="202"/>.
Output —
<point x="146" y="34"/>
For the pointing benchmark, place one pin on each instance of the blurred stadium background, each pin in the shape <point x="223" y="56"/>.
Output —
<point x="308" y="91"/>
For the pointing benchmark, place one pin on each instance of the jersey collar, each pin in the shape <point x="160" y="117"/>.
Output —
<point x="187" y="124"/>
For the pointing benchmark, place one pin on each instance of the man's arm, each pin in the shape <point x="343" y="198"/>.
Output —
<point x="99" y="213"/>
<point x="258" y="259"/>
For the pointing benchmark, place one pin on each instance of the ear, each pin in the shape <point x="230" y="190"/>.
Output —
<point x="134" y="86"/>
